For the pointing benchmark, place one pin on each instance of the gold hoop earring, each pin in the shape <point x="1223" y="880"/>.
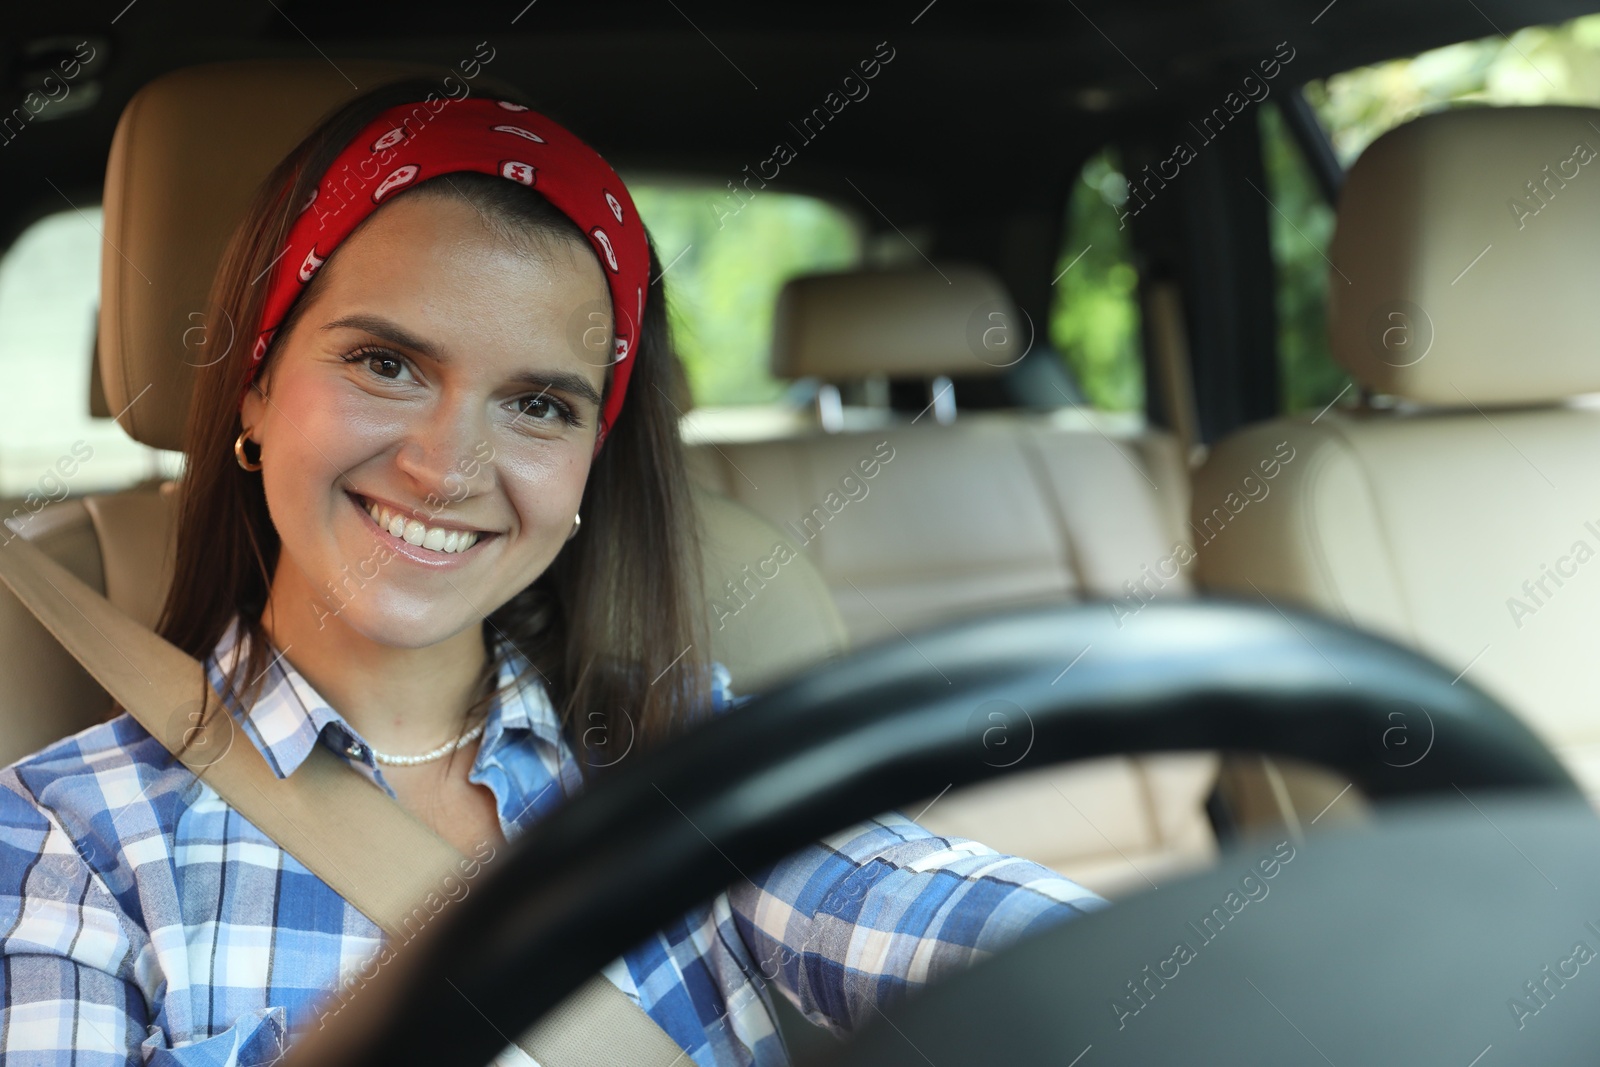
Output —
<point x="238" y="453"/>
<point x="577" y="521"/>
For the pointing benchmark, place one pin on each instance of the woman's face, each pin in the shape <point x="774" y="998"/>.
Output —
<point x="437" y="377"/>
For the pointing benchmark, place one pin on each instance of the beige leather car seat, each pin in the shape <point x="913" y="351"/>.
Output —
<point x="1459" y="512"/>
<point x="912" y="523"/>
<point x="172" y="218"/>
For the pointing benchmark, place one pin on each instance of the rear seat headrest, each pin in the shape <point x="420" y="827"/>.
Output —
<point x="188" y="152"/>
<point x="1467" y="252"/>
<point x="921" y="322"/>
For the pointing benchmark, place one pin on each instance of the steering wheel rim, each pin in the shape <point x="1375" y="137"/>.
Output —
<point x="899" y="721"/>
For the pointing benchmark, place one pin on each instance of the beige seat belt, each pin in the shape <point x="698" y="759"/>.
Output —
<point x="376" y="855"/>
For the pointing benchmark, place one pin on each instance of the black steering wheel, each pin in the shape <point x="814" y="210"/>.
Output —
<point x="900" y="721"/>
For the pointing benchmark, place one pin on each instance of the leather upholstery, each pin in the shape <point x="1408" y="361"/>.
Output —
<point x="188" y="153"/>
<point x="909" y="322"/>
<point x="48" y="696"/>
<point x="136" y="532"/>
<point x="794" y="625"/>
<point x="1425" y="528"/>
<point x="1463" y="528"/>
<point x="992" y="511"/>
<point x="1463" y="238"/>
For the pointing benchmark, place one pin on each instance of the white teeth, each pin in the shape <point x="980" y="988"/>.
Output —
<point x="413" y="532"/>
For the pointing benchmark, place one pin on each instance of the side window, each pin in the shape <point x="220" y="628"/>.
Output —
<point x="724" y="261"/>
<point x="50" y="446"/>
<point x="1094" y="312"/>
<point x="1301" y="225"/>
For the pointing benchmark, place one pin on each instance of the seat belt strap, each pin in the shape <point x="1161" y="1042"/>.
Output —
<point x="376" y="855"/>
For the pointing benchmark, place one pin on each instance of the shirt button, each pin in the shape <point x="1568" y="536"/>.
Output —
<point x="355" y="751"/>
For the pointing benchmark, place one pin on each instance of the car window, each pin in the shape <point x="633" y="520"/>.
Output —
<point x="50" y="446"/>
<point x="1300" y="222"/>
<point x="1094" y="311"/>
<point x="725" y="256"/>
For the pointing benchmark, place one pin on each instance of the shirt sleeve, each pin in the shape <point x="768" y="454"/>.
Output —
<point x="850" y="924"/>
<point x="67" y="960"/>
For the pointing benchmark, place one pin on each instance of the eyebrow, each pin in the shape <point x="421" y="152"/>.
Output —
<point x="395" y="334"/>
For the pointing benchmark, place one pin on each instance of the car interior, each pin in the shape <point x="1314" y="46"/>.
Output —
<point x="1433" y="488"/>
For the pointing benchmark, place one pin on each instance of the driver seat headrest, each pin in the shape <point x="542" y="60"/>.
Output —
<point x="189" y="151"/>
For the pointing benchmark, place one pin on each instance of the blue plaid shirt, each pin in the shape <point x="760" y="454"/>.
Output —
<point x="146" y="921"/>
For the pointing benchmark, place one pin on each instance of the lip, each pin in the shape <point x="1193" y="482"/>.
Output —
<point x="416" y="553"/>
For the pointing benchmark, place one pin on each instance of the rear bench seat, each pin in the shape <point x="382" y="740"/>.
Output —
<point x="912" y="522"/>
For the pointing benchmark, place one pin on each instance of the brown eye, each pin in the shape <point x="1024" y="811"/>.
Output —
<point x="544" y="408"/>
<point x="386" y="366"/>
<point x="381" y="361"/>
<point x="537" y="407"/>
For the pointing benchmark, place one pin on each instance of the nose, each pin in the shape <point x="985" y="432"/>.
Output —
<point x="445" y="455"/>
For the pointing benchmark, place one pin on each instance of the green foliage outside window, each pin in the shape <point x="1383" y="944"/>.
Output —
<point x="1094" y="314"/>
<point x="1301" y="224"/>
<point x="1539" y="65"/>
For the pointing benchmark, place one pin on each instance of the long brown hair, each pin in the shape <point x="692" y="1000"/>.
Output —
<point x="615" y="628"/>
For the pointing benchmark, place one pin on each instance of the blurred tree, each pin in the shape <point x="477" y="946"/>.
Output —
<point x="1539" y="65"/>
<point x="1094" y="318"/>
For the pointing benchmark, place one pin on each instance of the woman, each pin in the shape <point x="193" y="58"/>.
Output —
<point x="437" y="519"/>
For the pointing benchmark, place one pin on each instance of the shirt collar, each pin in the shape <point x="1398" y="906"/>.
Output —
<point x="289" y="716"/>
<point x="522" y="701"/>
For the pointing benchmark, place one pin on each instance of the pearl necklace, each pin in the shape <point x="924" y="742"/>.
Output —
<point x="432" y="754"/>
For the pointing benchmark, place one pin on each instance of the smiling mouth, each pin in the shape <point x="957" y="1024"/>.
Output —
<point x="445" y="540"/>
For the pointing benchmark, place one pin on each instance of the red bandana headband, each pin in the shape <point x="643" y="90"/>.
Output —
<point x="411" y="143"/>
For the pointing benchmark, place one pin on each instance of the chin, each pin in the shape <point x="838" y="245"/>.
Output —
<point x="403" y="624"/>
